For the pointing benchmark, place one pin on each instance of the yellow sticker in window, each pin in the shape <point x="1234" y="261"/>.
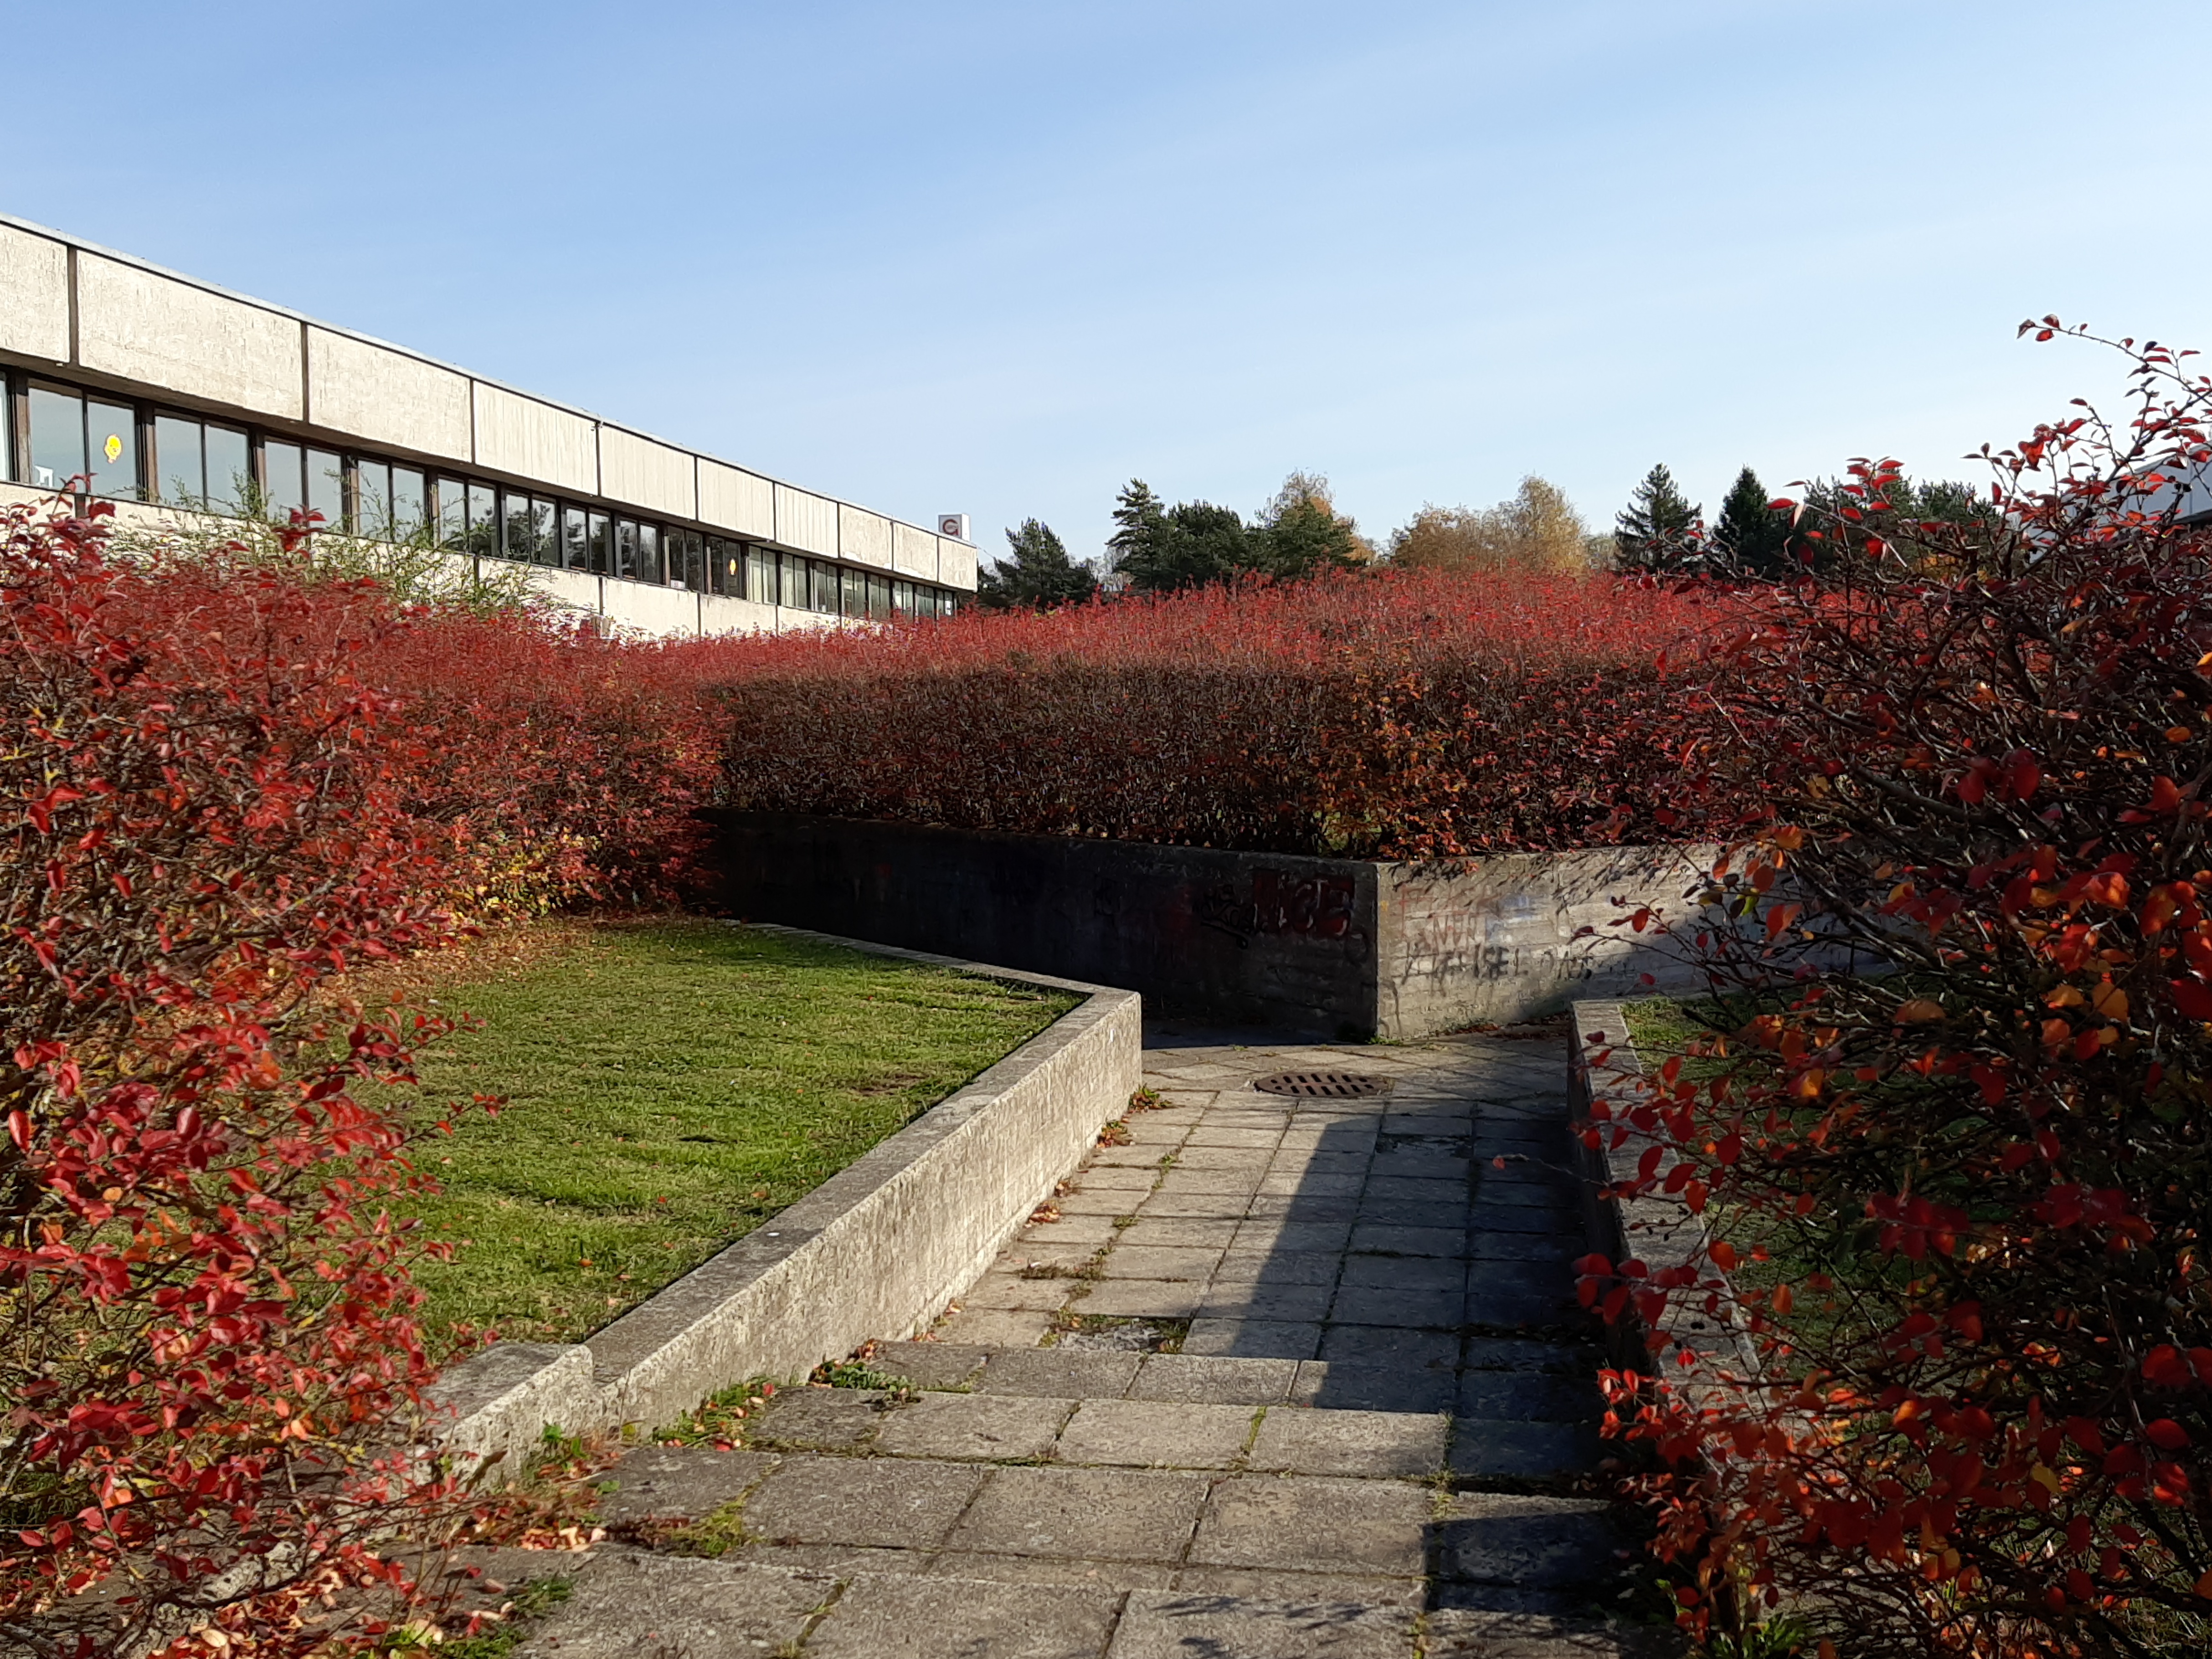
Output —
<point x="114" y="450"/>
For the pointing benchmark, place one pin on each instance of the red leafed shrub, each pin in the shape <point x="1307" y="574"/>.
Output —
<point x="1956" y="1157"/>
<point x="1399" y="715"/>
<point x="208" y="1321"/>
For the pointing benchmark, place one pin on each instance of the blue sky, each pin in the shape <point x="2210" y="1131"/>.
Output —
<point x="999" y="258"/>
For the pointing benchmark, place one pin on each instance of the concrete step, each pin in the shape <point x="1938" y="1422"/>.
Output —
<point x="625" y="1602"/>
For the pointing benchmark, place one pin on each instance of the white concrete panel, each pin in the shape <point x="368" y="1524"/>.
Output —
<point x="864" y="536"/>
<point x="806" y="522"/>
<point x="736" y="501"/>
<point x="384" y="397"/>
<point x="535" y="441"/>
<point x="12" y="495"/>
<point x="643" y="473"/>
<point x="718" y="614"/>
<point x="575" y="590"/>
<point x="34" y="295"/>
<point x="913" y="552"/>
<point x="639" y="609"/>
<point x="956" y="564"/>
<point x="161" y="332"/>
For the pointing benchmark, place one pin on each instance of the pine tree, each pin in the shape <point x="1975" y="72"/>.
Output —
<point x="1752" y="539"/>
<point x="1159" y="548"/>
<point x="1659" y="529"/>
<point x="1041" y="573"/>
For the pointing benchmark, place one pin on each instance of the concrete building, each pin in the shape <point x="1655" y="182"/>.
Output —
<point x="173" y="396"/>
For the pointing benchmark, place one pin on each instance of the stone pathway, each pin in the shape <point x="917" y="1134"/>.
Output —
<point x="1377" y="1438"/>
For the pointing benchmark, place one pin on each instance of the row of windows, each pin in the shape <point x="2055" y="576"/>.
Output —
<point x="131" y="453"/>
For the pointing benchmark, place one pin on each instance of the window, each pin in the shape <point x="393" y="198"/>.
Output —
<point x="408" y="516"/>
<point x="575" y="548"/>
<point x="452" y="509"/>
<point x="372" y="499"/>
<point x="626" y="548"/>
<point x="481" y="537"/>
<point x="229" y="468"/>
<point x="57" y="459"/>
<point x="326" y="486"/>
<point x="760" y="575"/>
<point x="179" y="469"/>
<point x="856" y="584"/>
<point x="598" y="537"/>
<point x="880" y="599"/>
<point x="283" y="477"/>
<point x="687" y="560"/>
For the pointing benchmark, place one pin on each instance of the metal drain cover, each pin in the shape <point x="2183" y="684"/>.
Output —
<point x="1329" y="1086"/>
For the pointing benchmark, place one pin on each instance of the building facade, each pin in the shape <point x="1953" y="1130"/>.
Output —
<point x="163" y="394"/>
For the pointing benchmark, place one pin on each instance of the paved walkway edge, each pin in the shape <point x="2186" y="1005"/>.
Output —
<point x="879" y="1247"/>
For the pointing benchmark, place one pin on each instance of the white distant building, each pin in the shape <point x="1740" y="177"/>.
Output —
<point x="170" y="394"/>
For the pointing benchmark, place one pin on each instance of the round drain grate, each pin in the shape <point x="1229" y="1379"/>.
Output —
<point x="1329" y="1086"/>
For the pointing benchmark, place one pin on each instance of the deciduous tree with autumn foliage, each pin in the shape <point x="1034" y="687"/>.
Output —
<point x="1950" y="1137"/>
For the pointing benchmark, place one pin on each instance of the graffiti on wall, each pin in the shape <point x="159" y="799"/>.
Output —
<point x="1278" y="903"/>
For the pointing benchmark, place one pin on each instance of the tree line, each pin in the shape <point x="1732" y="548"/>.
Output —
<point x="1158" y="547"/>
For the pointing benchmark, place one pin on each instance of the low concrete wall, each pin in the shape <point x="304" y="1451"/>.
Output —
<point x="1339" y="947"/>
<point x="877" y="1251"/>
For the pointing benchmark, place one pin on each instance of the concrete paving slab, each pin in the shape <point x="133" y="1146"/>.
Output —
<point x="677" y="1483"/>
<point x="820" y="1420"/>
<point x="1201" y="1379"/>
<point x="1228" y="1134"/>
<point x="1181" y="1182"/>
<point x="1198" y="1155"/>
<point x="1155" y="1434"/>
<point x="1368" y="1443"/>
<point x="1340" y="1386"/>
<point x="836" y="1560"/>
<point x="996" y="1327"/>
<point x="1528" y="1542"/>
<point x="1011" y="1292"/>
<point x="1313" y="1524"/>
<point x="1253" y="1338"/>
<point x="929" y="1364"/>
<point x="996" y="1426"/>
<point x="1296" y="1200"/>
<point x="1455" y="1633"/>
<point x="905" y="1618"/>
<point x="1137" y="1174"/>
<point x="1215" y="1206"/>
<point x="1267" y="1265"/>
<point x="1530" y="1353"/>
<point x="1242" y="1298"/>
<point x="1102" y="1201"/>
<point x="1288" y="1235"/>
<point x="1142" y="1298"/>
<point x="1273" y="1583"/>
<point x="1389" y="1345"/>
<point x="1084" y="1514"/>
<point x="1492" y="1449"/>
<point x="1528" y="1397"/>
<point x="1178" y="1233"/>
<point x="1048" y="1569"/>
<point x="891" y="1501"/>
<point x="1196" y="1625"/>
<point x="1159" y="1261"/>
<point x="1484" y="1245"/>
<point x="1404" y="1272"/>
<point x="1383" y="1240"/>
<point x="1417" y="1310"/>
<point x="1059" y="1373"/>
<point x="1395" y="1213"/>
<point x="627" y="1603"/>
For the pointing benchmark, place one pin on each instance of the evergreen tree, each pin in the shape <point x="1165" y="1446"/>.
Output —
<point x="1659" y="529"/>
<point x="1300" y="531"/>
<point x="1159" y="548"/>
<point x="1040" y="574"/>
<point x="1752" y="539"/>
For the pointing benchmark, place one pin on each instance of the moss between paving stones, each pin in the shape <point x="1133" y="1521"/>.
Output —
<point x="670" y="1085"/>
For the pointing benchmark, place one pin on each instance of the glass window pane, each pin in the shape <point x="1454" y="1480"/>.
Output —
<point x="326" y="485"/>
<point x="483" y="520"/>
<point x="452" y="507"/>
<point x="407" y="518"/>
<point x="649" y="554"/>
<point x="790" y="580"/>
<point x="56" y="437"/>
<point x="516" y="541"/>
<point x="575" y="544"/>
<point x="544" y="532"/>
<point x="111" y="433"/>
<point x="372" y="499"/>
<point x="179" y="474"/>
<point x="855" y="583"/>
<point x="598" y="537"/>
<point x="879" y="598"/>
<point x="626" y="548"/>
<point x="230" y="469"/>
<point x="284" y="489"/>
<point x="760" y="575"/>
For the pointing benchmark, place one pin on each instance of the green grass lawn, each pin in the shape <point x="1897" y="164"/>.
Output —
<point x="670" y="1085"/>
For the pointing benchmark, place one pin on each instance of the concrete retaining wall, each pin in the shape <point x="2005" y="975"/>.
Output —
<point x="1337" y="947"/>
<point x="877" y="1251"/>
